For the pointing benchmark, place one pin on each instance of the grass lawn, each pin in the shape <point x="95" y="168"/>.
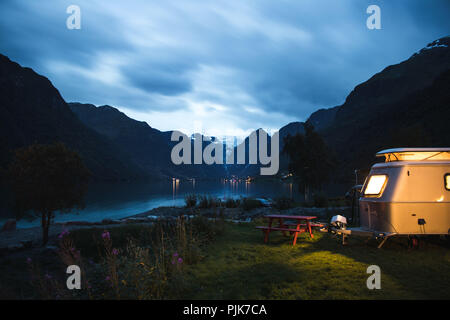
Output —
<point x="238" y="265"/>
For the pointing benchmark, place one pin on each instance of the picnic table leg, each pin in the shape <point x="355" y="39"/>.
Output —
<point x="308" y="224"/>
<point x="266" y="235"/>
<point x="296" y="234"/>
<point x="282" y="226"/>
<point x="267" y="231"/>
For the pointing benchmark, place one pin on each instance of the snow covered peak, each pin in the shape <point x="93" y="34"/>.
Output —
<point x="439" y="43"/>
<point x="435" y="44"/>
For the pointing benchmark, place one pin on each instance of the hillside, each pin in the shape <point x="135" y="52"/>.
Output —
<point x="292" y="129"/>
<point x="405" y="105"/>
<point x="146" y="146"/>
<point x="33" y="111"/>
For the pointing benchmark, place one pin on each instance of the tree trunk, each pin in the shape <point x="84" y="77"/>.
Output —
<point x="306" y="193"/>
<point x="45" y="226"/>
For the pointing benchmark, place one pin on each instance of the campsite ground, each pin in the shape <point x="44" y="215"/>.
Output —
<point x="237" y="264"/>
<point x="240" y="266"/>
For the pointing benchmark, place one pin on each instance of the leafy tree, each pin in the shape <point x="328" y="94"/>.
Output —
<point x="46" y="179"/>
<point x="310" y="160"/>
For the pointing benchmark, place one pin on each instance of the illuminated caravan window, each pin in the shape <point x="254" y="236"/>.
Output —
<point x="375" y="185"/>
<point x="447" y="181"/>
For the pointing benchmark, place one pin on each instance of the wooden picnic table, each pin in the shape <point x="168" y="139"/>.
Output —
<point x="301" y="224"/>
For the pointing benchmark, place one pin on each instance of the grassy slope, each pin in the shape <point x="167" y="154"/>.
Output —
<point x="240" y="266"/>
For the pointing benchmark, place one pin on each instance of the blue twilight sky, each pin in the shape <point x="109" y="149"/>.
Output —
<point x="220" y="66"/>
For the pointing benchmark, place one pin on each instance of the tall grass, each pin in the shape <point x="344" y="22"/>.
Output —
<point x="132" y="261"/>
<point x="190" y="200"/>
<point x="208" y="201"/>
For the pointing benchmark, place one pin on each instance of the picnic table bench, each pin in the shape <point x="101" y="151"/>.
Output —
<point x="302" y="224"/>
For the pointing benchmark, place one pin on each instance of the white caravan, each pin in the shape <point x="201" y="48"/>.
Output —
<point x="408" y="194"/>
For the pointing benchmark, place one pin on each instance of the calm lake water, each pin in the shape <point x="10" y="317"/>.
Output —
<point x="121" y="200"/>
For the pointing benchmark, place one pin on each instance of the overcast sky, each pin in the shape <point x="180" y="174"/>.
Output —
<point x="227" y="67"/>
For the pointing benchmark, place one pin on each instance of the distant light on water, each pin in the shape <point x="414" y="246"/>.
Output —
<point x="116" y="201"/>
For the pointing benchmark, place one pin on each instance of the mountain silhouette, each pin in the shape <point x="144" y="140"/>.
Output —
<point x="147" y="147"/>
<point x="33" y="111"/>
<point x="407" y="104"/>
<point x="404" y="105"/>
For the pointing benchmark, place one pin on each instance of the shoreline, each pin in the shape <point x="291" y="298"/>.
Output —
<point x="22" y="238"/>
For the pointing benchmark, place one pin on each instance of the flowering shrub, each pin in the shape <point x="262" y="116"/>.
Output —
<point x="132" y="262"/>
<point x="47" y="287"/>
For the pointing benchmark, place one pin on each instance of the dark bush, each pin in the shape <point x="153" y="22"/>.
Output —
<point x="249" y="204"/>
<point x="283" y="203"/>
<point x="339" y="202"/>
<point x="320" y="201"/>
<point x="206" y="229"/>
<point x="203" y="202"/>
<point x="232" y="203"/>
<point x="207" y="201"/>
<point x="214" y="202"/>
<point x="190" y="200"/>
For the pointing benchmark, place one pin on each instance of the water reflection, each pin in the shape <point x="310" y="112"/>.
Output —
<point x="175" y="187"/>
<point x="290" y="190"/>
<point x="120" y="200"/>
<point x="234" y="187"/>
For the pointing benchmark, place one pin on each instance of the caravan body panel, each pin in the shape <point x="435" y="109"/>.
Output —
<point x="414" y="200"/>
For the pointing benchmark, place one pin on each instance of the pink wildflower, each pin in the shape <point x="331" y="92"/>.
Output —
<point x="63" y="233"/>
<point x="105" y="235"/>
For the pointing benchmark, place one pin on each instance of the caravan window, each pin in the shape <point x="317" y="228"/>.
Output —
<point x="376" y="185"/>
<point x="447" y="181"/>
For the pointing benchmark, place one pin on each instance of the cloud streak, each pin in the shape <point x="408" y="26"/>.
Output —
<point x="233" y="66"/>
